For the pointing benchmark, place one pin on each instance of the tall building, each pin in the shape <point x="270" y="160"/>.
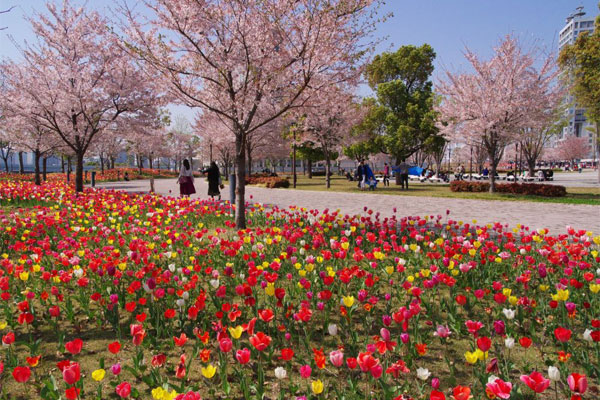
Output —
<point x="576" y="23"/>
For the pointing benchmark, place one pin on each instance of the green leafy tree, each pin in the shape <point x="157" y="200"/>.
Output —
<point x="311" y="153"/>
<point x="582" y="61"/>
<point x="402" y="118"/>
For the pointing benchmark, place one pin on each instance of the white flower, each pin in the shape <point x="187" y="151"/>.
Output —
<point x="509" y="342"/>
<point x="171" y="266"/>
<point x="587" y="335"/>
<point x="492" y="378"/>
<point x="185" y="295"/>
<point x="402" y="261"/>
<point x="180" y="303"/>
<point x="214" y="283"/>
<point x="508" y="313"/>
<point x="423" y="373"/>
<point x="280" y="373"/>
<point x="553" y="373"/>
<point x="332" y="329"/>
<point x="78" y="273"/>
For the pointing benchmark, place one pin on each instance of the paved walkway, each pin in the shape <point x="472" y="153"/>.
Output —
<point x="553" y="216"/>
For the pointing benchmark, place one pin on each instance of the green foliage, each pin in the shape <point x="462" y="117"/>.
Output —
<point x="582" y="59"/>
<point x="401" y="120"/>
<point x="308" y="151"/>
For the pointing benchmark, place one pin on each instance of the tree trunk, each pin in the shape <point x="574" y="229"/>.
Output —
<point x="44" y="168"/>
<point x="62" y="164"/>
<point x="150" y="162"/>
<point x="309" y="167"/>
<point x="101" y="163"/>
<point x="249" y="158"/>
<point x="69" y="165"/>
<point x="5" y="159"/>
<point x="21" y="166"/>
<point x="36" y="167"/>
<point x="531" y="166"/>
<point x="240" y="189"/>
<point x="79" y="172"/>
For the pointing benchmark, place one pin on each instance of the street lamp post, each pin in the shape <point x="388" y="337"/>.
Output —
<point x="471" y="165"/>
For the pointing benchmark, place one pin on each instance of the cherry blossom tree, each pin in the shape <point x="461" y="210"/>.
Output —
<point x="573" y="148"/>
<point x="79" y="80"/>
<point x="328" y="122"/>
<point x="491" y="106"/>
<point x="252" y="61"/>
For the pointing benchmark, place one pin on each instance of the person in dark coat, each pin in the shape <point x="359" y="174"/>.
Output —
<point x="214" y="180"/>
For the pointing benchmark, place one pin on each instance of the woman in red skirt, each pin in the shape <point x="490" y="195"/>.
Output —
<point x="186" y="180"/>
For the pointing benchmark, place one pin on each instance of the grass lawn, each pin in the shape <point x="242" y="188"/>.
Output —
<point x="575" y="195"/>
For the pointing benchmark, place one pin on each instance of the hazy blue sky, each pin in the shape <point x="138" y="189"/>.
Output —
<point x="447" y="25"/>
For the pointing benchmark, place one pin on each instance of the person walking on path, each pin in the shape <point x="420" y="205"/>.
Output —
<point x="214" y="180"/>
<point x="186" y="180"/>
<point x="386" y="175"/>
<point x="403" y="169"/>
<point x="360" y="174"/>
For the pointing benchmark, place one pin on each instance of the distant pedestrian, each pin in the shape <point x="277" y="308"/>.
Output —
<point x="186" y="180"/>
<point x="386" y="175"/>
<point x="360" y="174"/>
<point x="214" y="180"/>
<point x="403" y="170"/>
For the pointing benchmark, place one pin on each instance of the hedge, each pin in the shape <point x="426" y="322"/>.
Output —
<point x="268" y="181"/>
<point x="535" y="189"/>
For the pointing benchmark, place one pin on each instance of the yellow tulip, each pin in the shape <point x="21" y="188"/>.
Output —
<point x="236" y="332"/>
<point x="3" y="325"/>
<point x="158" y="393"/>
<point x="98" y="375"/>
<point x="317" y="386"/>
<point x="208" y="371"/>
<point x="348" y="301"/>
<point x="594" y="287"/>
<point x="471" y="357"/>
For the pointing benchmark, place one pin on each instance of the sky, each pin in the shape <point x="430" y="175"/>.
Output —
<point x="447" y="25"/>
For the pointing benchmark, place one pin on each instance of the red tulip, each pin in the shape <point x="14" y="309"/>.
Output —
<point x="138" y="333"/>
<point x="525" y="342"/>
<point x="72" y="373"/>
<point x="74" y="346"/>
<point x="180" y="341"/>
<point x="562" y="334"/>
<point x="500" y="389"/>
<point x="225" y="345"/>
<point x="21" y="374"/>
<point x="266" y="315"/>
<point x="436" y="395"/>
<point x="158" y="360"/>
<point x="123" y="390"/>
<point x="484" y="343"/>
<point x="260" y="341"/>
<point x="9" y="338"/>
<point x="72" y="393"/>
<point x="287" y="354"/>
<point x="461" y="393"/>
<point x="114" y="347"/>
<point x="577" y="383"/>
<point x="243" y="356"/>
<point x="536" y="382"/>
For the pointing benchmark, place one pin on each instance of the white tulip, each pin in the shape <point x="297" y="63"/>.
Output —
<point x="280" y="373"/>
<point x="553" y="373"/>
<point x="508" y="313"/>
<point x="332" y="329"/>
<point x="509" y="342"/>
<point x="214" y="283"/>
<point x="587" y="335"/>
<point x="423" y="373"/>
<point x="492" y="378"/>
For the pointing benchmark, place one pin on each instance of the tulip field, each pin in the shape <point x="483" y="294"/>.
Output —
<point x="109" y="295"/>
